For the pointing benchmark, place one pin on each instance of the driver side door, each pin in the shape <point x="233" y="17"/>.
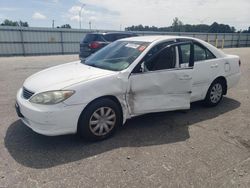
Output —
<point x="162" y="85"/>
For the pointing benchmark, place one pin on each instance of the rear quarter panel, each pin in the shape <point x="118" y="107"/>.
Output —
<point x="205" y="72"/>
<point x="232" y="70"/>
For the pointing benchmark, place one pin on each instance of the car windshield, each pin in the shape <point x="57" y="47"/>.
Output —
<point x="116" y="56"/>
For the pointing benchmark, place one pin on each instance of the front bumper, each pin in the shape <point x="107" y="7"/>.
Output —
<point x="50" y="120"/>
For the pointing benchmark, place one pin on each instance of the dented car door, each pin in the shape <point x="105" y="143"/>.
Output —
<point x="161" y="85"/>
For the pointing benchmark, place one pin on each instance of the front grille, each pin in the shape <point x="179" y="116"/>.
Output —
<point x="26" y="93"/>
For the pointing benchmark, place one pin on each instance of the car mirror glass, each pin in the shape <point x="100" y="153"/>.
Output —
<point x="142" y="69"/>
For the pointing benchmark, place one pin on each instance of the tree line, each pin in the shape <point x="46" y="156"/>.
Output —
<point x="178" y="26"/>
<point x="20" y="23"/>
<point x="14" y="23"/>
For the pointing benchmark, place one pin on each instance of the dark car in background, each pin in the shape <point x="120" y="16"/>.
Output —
<point x="93" y="42"/>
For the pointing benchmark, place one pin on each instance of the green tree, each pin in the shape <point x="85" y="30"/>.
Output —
<point x="214" y="28"/>
<point x="246" y="31"/>
<point x="233" y="29"/>
<point x="7" y="22"/>
<point x="23" y="24"/>
<point x="221" y="28"/>
<point x="66" y="26"/>
<point x="177" y="24"/>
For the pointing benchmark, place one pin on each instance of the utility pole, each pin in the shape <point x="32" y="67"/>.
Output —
<point x="53" y="23"/>
<point x="80" y="15"/>
<point x="89" y="25"/>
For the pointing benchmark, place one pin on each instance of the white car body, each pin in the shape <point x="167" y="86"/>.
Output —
<point x="136" y="93"/>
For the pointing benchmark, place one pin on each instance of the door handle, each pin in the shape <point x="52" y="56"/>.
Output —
<point x="185" y="77"/>
<point x="214" y="66"/>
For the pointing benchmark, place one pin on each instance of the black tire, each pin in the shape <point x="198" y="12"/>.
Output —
<point x="211" y="101"/>
<point x="87" y="131"/>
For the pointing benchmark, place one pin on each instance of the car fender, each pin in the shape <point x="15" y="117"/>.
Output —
<point x="112" y="85"/>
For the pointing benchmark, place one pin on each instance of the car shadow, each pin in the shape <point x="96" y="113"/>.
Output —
<point x="40" y="152"/>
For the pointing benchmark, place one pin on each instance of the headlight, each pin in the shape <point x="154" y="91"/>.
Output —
<point x="51" y="97"/>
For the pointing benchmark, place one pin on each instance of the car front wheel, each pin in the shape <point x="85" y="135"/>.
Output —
<point x="99" y="120"/>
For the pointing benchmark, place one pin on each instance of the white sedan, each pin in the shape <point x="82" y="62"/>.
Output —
<point x="127" y="78"/>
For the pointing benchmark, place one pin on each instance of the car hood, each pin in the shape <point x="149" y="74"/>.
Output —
<point x="59" y="77"/>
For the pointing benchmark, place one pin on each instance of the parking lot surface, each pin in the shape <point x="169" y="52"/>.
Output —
<point x="201" y="147"/>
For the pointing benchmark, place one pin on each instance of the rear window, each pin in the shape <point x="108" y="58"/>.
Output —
<point x="110" y="37"/>
<point x="92" y="37"/>
<point x="201" y="53"/>
<point x="116" y="36"/>
<point x="184" y="53"/>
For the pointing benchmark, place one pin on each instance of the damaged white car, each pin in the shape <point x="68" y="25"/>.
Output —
<point x="127" y="78"/>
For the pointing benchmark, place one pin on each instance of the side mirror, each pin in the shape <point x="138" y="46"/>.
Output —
<point x="143" y="69"/>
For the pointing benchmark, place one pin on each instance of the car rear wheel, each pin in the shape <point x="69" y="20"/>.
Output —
<point x="99" y="120"/>
<point x="215" y="93"/>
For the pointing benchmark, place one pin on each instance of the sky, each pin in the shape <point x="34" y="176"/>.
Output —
<point x="118" y="14"/>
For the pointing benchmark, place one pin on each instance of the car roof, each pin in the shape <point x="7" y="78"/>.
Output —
<point x="111" y="33"/>
<point x="155" y="38"/>
<point x="159" y="38"/>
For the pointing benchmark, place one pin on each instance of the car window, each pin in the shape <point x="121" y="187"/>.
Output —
<point x="199" y="53"/>
<point x="209" y="54"/>
<point x="115" y="36"/>
<point x="120" y="36"/>
<point x="116" y="56"/>
<point x="110" y="37"/>
<point x="166" y="59"/>
<point x="156" y="49"/>
<point x="92" y="37"/>
<point x="184" y="53"/>
<point x="128" y="35"/>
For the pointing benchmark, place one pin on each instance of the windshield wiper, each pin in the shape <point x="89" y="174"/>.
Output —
<point x="92" y="65"/>
<point x="83" y="61"/>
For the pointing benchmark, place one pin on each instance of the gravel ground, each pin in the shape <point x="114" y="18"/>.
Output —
<point x="202" y="147"/>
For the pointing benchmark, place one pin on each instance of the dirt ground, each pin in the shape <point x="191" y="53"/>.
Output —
<point x="202" y="147"/>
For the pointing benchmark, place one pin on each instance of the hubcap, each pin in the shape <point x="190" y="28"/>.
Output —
<point x="216" y="93"/>
<point x="102" y="121"/>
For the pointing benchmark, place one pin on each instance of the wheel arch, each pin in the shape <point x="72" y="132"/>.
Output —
<point x="111" y="97"/>
<point x="224" y="81"/>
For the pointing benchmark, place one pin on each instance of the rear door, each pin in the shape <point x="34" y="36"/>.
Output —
<point x="206" y="67"/>
<point x="161" y="84"/>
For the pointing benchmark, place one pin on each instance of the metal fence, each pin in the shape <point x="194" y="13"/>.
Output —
<point x="48" y="41"/>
